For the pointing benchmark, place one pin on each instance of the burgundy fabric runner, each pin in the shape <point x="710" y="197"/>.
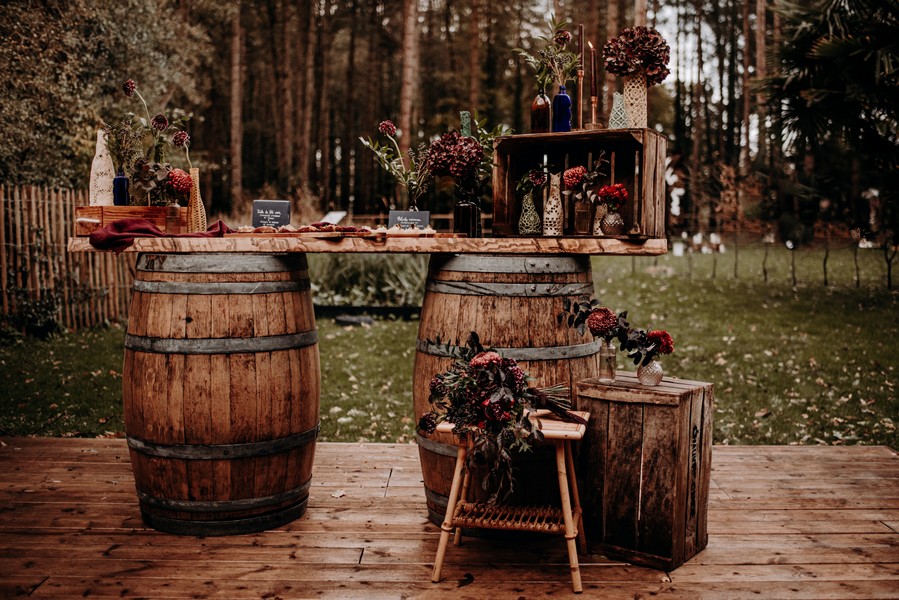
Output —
<point x="118" y="235"/>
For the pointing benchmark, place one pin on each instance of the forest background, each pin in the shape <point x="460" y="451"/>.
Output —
<point x="782" y="116"/>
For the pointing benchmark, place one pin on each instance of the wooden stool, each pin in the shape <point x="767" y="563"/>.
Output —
<point x="566" y="520"/>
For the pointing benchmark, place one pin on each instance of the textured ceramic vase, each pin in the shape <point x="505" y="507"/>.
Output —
<point x="612" y="224"/>
<point x="651" y="374"/>
<point x="635" y="99"/>
<point x="552" y="209"/>
<point x="529" y="223"/>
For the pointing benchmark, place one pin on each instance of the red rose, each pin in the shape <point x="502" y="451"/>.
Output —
<point x="663" y="341"/>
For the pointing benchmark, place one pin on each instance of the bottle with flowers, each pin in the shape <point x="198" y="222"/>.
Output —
<point x="410" y="173"/>
<point x="640" y="55"/>
<point x="459" y="157"/>
<point x="154" y="182"/>
<point x="489" y="402"/>
<point x="649" y="345"/>
<point x="555" y="63"/>
<point x="610" y="199"/>
<point x="531" y="182"/>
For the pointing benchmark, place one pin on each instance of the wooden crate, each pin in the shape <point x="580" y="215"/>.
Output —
<point x="170" y="219"/>
<point x="644" y="467"/>
<point x="636" y="159"/>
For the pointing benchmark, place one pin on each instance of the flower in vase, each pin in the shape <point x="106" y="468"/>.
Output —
<point x="457" y="156"/>
<point x="552" y="62"/>
<point x="574" y="176"/>
<point x="129" y="87"/>
<point x="160" y="122"/>
<point x="387" y="128"/>
<point x="638" y="49"/>
<point x="579" y="181"/>
<point x="533" y="180"/>
<point x="612" y="196"/>
<point x="180" y="181"/>
<point x="409" y="171"/>
<point x="662" y="341"/>
<point x="643" y="347"/>
<point x="603" y="322"/>
<point x="182" y="140"/>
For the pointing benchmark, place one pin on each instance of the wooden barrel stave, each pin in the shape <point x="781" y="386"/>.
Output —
<point x="512" y="303"/>
<point x="215" y="384"/>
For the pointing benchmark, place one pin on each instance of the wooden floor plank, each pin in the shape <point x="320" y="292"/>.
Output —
<point x="792" y="522"/>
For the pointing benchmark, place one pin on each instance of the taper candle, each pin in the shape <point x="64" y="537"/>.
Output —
<point x="592" y="69"/>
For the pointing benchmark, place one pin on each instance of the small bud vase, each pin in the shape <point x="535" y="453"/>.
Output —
<point x="196" y="212"/>
<point x="612" y="224"/>
<point x="529" y="223"/>
<point x="651" y="374"/>
<point x="607" y="361"/>
<point x="541" y="113"/>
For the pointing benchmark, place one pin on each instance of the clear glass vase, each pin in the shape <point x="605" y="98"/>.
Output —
<point x="607" y="361"/>
<point x="651" y="374"/>
<point x="612" y="224"/>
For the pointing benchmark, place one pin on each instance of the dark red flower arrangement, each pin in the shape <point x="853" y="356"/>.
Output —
<point x="613" y="196"/>
<point x="487" y="397"/>
<point x="455" y="155"/>
<point x="660" y="341"/>
<point x="638" y="49"/>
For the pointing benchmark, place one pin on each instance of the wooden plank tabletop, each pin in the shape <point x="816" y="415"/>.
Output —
<point x="388" y="244"/>
<point x="797" y="522"/>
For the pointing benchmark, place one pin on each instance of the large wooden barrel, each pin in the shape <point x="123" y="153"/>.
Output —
<point x="512" y="303"/>
<point x="221" y="390"/>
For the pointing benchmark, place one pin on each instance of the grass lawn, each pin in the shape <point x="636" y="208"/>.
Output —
<point x="791" y="364"/>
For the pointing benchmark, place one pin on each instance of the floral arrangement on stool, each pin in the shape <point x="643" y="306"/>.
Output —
<point x="640" y="55"/>
<point x="529" y="222"/>
<point x="651" y="345"/>
<point x="611" y="198"/>
<point x="487" y="398"/>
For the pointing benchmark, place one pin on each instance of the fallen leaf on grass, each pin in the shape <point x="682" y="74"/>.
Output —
<point x="763" y="413"/>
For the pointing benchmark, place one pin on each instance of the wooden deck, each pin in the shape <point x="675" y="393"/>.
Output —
<point x="784" y="522"/>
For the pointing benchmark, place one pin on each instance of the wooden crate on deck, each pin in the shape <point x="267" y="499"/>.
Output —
<point x="645" y="468"/>
<point x="636" y="159"/>
<point x="170" y="219"/>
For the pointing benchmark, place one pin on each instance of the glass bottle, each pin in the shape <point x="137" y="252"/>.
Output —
<point x="607" y="361"/>
<point x="120" y="189"/>
<point x="540" y="113"/>
<point x="583" y="216"/>
<point x="466" y="218"/>
<point x="562" y="111"/>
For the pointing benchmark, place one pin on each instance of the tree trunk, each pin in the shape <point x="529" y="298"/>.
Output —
<point x="474" y="56"/>
<point x="640" y="12"/>
<point x="744" y="150"/>
<point x="761" y="68"/>
<point x="304" y="91"/>
<point x="696" y="126"/>
<point x="349" y="112"/>
<point x="410" y="71"/>
<point x="236" y="113"/>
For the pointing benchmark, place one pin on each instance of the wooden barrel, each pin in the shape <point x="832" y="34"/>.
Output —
<point x="221" y="390"/>
<point x="512" y="303"/>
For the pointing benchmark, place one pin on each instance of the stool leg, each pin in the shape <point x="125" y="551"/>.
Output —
<point x="575" y="500"/>
<point x="457" y="538"/>
<point x="447" y="526"/>
<point x="569" y="520"/>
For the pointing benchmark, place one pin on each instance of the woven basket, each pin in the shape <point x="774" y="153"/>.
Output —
<point x="635" y="99"/>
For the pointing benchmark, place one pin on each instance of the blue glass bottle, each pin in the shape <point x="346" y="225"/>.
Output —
<point x="562" y="111"/>
<point x="120" y="189"/>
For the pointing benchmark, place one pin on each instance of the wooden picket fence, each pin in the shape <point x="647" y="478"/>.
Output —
<point x="40" y="279"/>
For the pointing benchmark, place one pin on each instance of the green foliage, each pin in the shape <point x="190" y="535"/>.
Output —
<point x="62" y="65"/>
<point x="367" y="280"/>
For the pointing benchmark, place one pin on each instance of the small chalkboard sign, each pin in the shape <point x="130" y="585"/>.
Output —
<point x="408" y="218"/>
<point x="271" y="213"/>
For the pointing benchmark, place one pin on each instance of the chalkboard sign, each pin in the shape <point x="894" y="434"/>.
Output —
<point x="407" y="218"/>
<point x="271" y="213"/>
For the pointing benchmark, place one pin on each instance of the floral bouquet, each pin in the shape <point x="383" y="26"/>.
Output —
<point x="414" y="178"/>
<point x="638" y="50"/>
<point x="154" y="182"/>
<point x="457" y="156"/>
<point x="650" y="345"/>
<point x="487" y="398"/>
<point x="612" y="196"/>
<point x="554" y="62"/>
<point x="532" y="181"/>
<point x="579" y="183"/>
